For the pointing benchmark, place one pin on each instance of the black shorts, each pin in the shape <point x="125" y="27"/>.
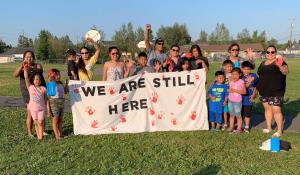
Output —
<point x="246" y="111"/>
<point x="273" y="101"/>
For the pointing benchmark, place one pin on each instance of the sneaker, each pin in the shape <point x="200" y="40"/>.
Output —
<point x="212" y="129"/>
<point x="266" y="131"/>
<point x="45" y="134"/>
<point x="217" y="129"/>
<point x="277" y="134"/>
<point x="224" y="127"/>
<point x="246" y="130"/>
<point x="31" y="136"/>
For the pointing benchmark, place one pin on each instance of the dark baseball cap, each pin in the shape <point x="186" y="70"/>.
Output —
<point x="159" y="40"/>
<point x="71" y="52"/>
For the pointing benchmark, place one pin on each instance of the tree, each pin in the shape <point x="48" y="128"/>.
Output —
<point x="176" y="34"/>
<point x="203" y="37"/>
<point x="244" y="36"/>
<point x="42" y="45"/>
<point x="221" y="35"/>
<point x="4" y="46"/>
<point x="139" y="35"/>
<point x="125" y="38"/>
<point x="24" y="41"/>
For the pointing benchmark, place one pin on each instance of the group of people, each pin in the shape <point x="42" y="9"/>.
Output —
<point x="232" y="91"/>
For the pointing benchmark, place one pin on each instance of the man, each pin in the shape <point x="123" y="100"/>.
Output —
<point x="154" y="54"/>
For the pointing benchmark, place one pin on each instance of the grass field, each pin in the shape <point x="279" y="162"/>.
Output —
<point x="198" y="152"/>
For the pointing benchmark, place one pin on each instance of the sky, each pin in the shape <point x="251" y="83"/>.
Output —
<point x="75" y="18"/>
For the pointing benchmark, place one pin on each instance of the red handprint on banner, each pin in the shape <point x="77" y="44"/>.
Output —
<point x="160" y="115"/>
<point x="94" y="124"/>
<point x="90" y="110"/>
<point x="180" y="100"/>
<point x="154" y="97"/>
<point x="193" y="115"/>
<point x="124" y="97"/>
<point x="196" y="76"/>
<point x="174" y="121"/>
<point x="113" y="128"/>
<point x="151" y="111"/>
<point x="153" y="122"/>
<point x="111" y="90"/>
<point x="123" y="118"/>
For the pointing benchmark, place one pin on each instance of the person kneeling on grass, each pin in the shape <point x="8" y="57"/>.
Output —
<point x="235" y="91"/>
<point x="217" y="94"/>
<point x="38" y="101"/>
<point x="56" y="103"/>
<point x="250" y="80"/>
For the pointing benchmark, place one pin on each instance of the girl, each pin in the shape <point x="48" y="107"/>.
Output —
<point x="236" y="89"/>
<point x="184" y="65"/>
<point x="56" y="103"/>
<point x="198" y="61"/>
<point x="38" y="101"/>
<point x="234" y="50"/>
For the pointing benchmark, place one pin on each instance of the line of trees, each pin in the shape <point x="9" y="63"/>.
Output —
<point x="50" y="47"/>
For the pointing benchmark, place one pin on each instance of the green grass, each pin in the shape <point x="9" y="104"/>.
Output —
<point x="198" y="152"/>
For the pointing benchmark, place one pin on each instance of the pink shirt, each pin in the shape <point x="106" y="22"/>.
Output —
<point x="37" y="98"/>
<point x="238" y="85"/>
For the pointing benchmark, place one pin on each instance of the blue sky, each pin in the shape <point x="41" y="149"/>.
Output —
<point x="76" y="17"/>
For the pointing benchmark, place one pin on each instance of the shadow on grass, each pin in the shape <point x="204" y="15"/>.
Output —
<point x="68" y="130"/>
<point x="290" y="111"/>
<point x="211" y="169"/>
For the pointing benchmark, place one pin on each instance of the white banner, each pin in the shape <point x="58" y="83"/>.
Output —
<point x="174" y="101"/>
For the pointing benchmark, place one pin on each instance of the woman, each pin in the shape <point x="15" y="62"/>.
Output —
<point x="198" y="61"/>
<point x="114" y="69"/>
<point x="33" y="68"/>
<point x="172" y="63"/>
<point x="85" y="63"/>
<point x="271" y="87"/>
<point x="234" y="50"/>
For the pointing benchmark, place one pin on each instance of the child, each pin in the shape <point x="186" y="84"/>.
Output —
<point x="218" y="98"/>
<point x="72" y="67"/>
<point x="56" y="103"/>
<point x="184" y="64"/>
<point x="38" y="101"/>
<point x="250" y="80"/>
<point x="227" y="68"/>
<point x="143" y="67"/>
<point x="236" y="89"/>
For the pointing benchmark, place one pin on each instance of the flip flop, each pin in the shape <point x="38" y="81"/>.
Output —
<point x="276" y="134"/>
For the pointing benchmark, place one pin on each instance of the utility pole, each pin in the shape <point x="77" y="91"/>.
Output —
<point x="291" y="25"/>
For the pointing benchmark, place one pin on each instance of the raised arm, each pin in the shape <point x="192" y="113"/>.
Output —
<point x="97" y="52"/>
<point x="146" y="37"/>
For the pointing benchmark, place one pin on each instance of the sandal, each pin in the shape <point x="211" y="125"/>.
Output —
<point x="277" y="134"/>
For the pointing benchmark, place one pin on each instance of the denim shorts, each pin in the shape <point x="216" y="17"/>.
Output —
<point x="235" y="108"/>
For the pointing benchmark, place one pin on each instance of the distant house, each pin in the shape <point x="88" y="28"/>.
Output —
<point x="220" y="51"/>
<point x="13" y="54"/>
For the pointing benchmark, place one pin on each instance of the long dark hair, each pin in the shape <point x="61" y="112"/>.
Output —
<point x="232" y="45"/>
<point x="80" y="64"/>
<point x="195" y="46"/>
<point x="32" y="53"/>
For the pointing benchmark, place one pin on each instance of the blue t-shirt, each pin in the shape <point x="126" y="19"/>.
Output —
<point x="220" y="91"/>
<point x="250" y="89"/>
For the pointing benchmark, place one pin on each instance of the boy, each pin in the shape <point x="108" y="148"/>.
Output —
<point x="250" y="80"/>
<point x="227" y="68"/>
<point x="143" y="67"/>
<point x="72" y="67"/>
<point x="217" y="94"/>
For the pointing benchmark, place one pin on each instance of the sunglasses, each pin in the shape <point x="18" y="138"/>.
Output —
<point x="235" y="50"/>
<point x="84" y="53"/>
<point x="160" y="43"/>
<point x="272" y="52"/>
<point x="115" y="53"/>
<point x="175" y="50"/>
